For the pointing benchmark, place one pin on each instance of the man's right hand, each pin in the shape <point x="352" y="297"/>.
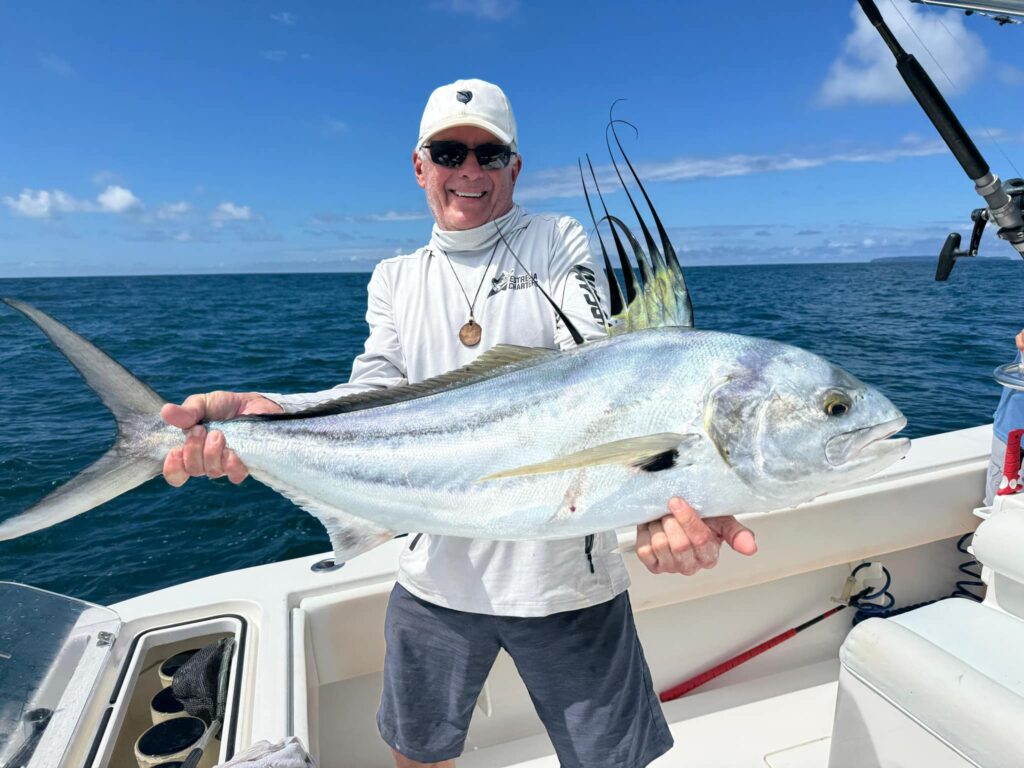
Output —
<point x="207" y="453"/>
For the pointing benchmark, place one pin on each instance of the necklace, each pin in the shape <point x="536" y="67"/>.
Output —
<point x="469" y="333"/>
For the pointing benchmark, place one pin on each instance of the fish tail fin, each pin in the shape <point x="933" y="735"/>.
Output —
<point x="127" y="464"/>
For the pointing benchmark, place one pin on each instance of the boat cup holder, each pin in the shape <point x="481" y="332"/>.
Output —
<point x="169" y="741"/>
<point x="164" y="706"/>
<point x="173" y="664"/>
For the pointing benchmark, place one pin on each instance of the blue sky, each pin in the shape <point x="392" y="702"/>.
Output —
<point x="167" y="137"/>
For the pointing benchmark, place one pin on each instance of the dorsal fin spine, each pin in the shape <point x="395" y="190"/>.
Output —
<point x="627" y="269"/>
<point x="615" y="292"/>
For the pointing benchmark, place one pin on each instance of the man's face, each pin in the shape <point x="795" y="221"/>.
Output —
<point x="454" y="194"/>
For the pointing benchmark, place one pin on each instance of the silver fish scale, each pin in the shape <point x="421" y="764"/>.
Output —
<point x="430" y="453"/>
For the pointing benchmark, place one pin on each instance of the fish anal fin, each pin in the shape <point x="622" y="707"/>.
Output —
<point x="648" y="452"/>
<point x="350" y="535"/>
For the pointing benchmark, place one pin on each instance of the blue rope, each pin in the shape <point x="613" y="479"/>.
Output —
<point x="972" y="569"/>
<point x="879" y="603"/>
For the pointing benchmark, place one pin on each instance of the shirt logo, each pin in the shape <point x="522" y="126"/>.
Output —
<point x="508" y="281"/>
<point x="588" y="283"/>
<point x="464" y="96"/>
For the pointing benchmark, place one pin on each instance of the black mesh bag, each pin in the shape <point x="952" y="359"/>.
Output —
<point x="199" y="683"/>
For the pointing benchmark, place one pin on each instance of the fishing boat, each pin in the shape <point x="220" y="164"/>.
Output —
<point x="756" y="660"/>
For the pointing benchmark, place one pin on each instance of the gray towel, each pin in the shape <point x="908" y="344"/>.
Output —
<point x="287" y="753"/>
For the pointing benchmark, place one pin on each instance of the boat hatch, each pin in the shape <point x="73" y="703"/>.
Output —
<point x="52" y="651"/>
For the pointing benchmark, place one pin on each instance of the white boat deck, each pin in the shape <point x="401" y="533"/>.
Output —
<point x="780" y="721"/>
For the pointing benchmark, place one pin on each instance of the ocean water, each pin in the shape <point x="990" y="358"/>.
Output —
<point x="930" y="347"/>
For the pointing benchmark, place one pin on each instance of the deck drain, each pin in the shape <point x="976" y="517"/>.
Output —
<point x="325" y="565"/>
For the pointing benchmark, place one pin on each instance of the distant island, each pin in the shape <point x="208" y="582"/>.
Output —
<point x="914" y="259"/>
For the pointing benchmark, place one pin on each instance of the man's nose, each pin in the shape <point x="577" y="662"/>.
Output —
<point x="470" y="167"/>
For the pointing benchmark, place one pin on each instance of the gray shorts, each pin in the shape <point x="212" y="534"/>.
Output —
<point x="584" y="669"/>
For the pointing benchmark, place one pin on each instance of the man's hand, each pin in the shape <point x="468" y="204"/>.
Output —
<point x="682" y="542"/>
<point x="1019" y="341"/>
<point x="207" y="453"/>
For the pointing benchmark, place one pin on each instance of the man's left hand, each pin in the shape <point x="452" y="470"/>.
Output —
<point x="683" y="542"/>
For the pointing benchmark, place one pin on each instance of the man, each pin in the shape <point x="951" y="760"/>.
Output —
<point x="559" y="608"/>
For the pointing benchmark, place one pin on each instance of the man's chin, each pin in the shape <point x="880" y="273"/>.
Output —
<point x="460" y="220"/>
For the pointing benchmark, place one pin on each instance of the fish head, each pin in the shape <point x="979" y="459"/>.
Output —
<point x="793" y="425"/>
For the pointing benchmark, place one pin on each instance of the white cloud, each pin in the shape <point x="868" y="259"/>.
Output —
<point x="334" y="127"/>
<point x="1010" y="75"/>
<point x="173" y="210"/>
<point x="228" y="211"/>
<point x="275" y="55"/>
<point x="285" y="17"/>
<point x="397" y="216"/>
<point x="57" y="66"/>
<point x="118" y="200"/>
<point x="866" y="71"/>
<point x="103" y="177"/>
<point x="42" y="204"/>
<point x="45" y="204"/>
<point x="493" y="10"/>
<point x="565" y="181"/>
<point x="386" y="216"/>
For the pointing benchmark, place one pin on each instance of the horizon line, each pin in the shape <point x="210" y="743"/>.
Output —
<point x="880" y="260"/>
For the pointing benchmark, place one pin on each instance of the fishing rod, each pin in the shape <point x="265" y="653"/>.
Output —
<point x="1003" y="200"/>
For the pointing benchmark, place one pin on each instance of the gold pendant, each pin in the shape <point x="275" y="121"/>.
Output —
<point x="469" y="334"/>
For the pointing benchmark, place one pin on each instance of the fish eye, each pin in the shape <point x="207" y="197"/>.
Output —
<point x="836" y="404"/>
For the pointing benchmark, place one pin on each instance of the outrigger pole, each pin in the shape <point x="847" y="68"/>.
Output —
<point x="1003" y="200"/>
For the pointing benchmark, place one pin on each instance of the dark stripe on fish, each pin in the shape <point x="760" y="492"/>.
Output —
<point x="665" y="460"/>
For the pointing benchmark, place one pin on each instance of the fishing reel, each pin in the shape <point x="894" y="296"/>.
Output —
<point x="1009" y="216"/>
<point x="1002" y="200"/>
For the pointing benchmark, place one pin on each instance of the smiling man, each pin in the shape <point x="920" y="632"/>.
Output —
<point x="559" y="608"/>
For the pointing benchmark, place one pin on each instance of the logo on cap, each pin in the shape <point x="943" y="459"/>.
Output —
<point x="464" y="96"/>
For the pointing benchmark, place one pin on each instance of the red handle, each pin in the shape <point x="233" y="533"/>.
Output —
<point x="695" y="682"/>
<point x="1010" y="484"/>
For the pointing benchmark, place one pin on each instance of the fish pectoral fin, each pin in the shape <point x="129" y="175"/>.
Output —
<point x="350" y="535"/>
<point x="650" y="453"/>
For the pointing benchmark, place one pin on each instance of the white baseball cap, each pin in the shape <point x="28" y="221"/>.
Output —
<point x="468" y="102"/>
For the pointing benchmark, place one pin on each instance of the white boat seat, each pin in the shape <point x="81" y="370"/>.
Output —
<point x="939" y="686"/>
<point x="999" y="544"/>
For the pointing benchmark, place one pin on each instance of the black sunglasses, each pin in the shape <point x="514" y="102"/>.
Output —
<point x="452" y="154"/>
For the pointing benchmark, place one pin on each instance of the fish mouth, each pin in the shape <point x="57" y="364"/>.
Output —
<point x="866" y="443"/>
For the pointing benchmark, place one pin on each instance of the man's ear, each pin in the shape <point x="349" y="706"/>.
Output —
<point x="417" y="167"/>
<point x="516" y="168"/>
